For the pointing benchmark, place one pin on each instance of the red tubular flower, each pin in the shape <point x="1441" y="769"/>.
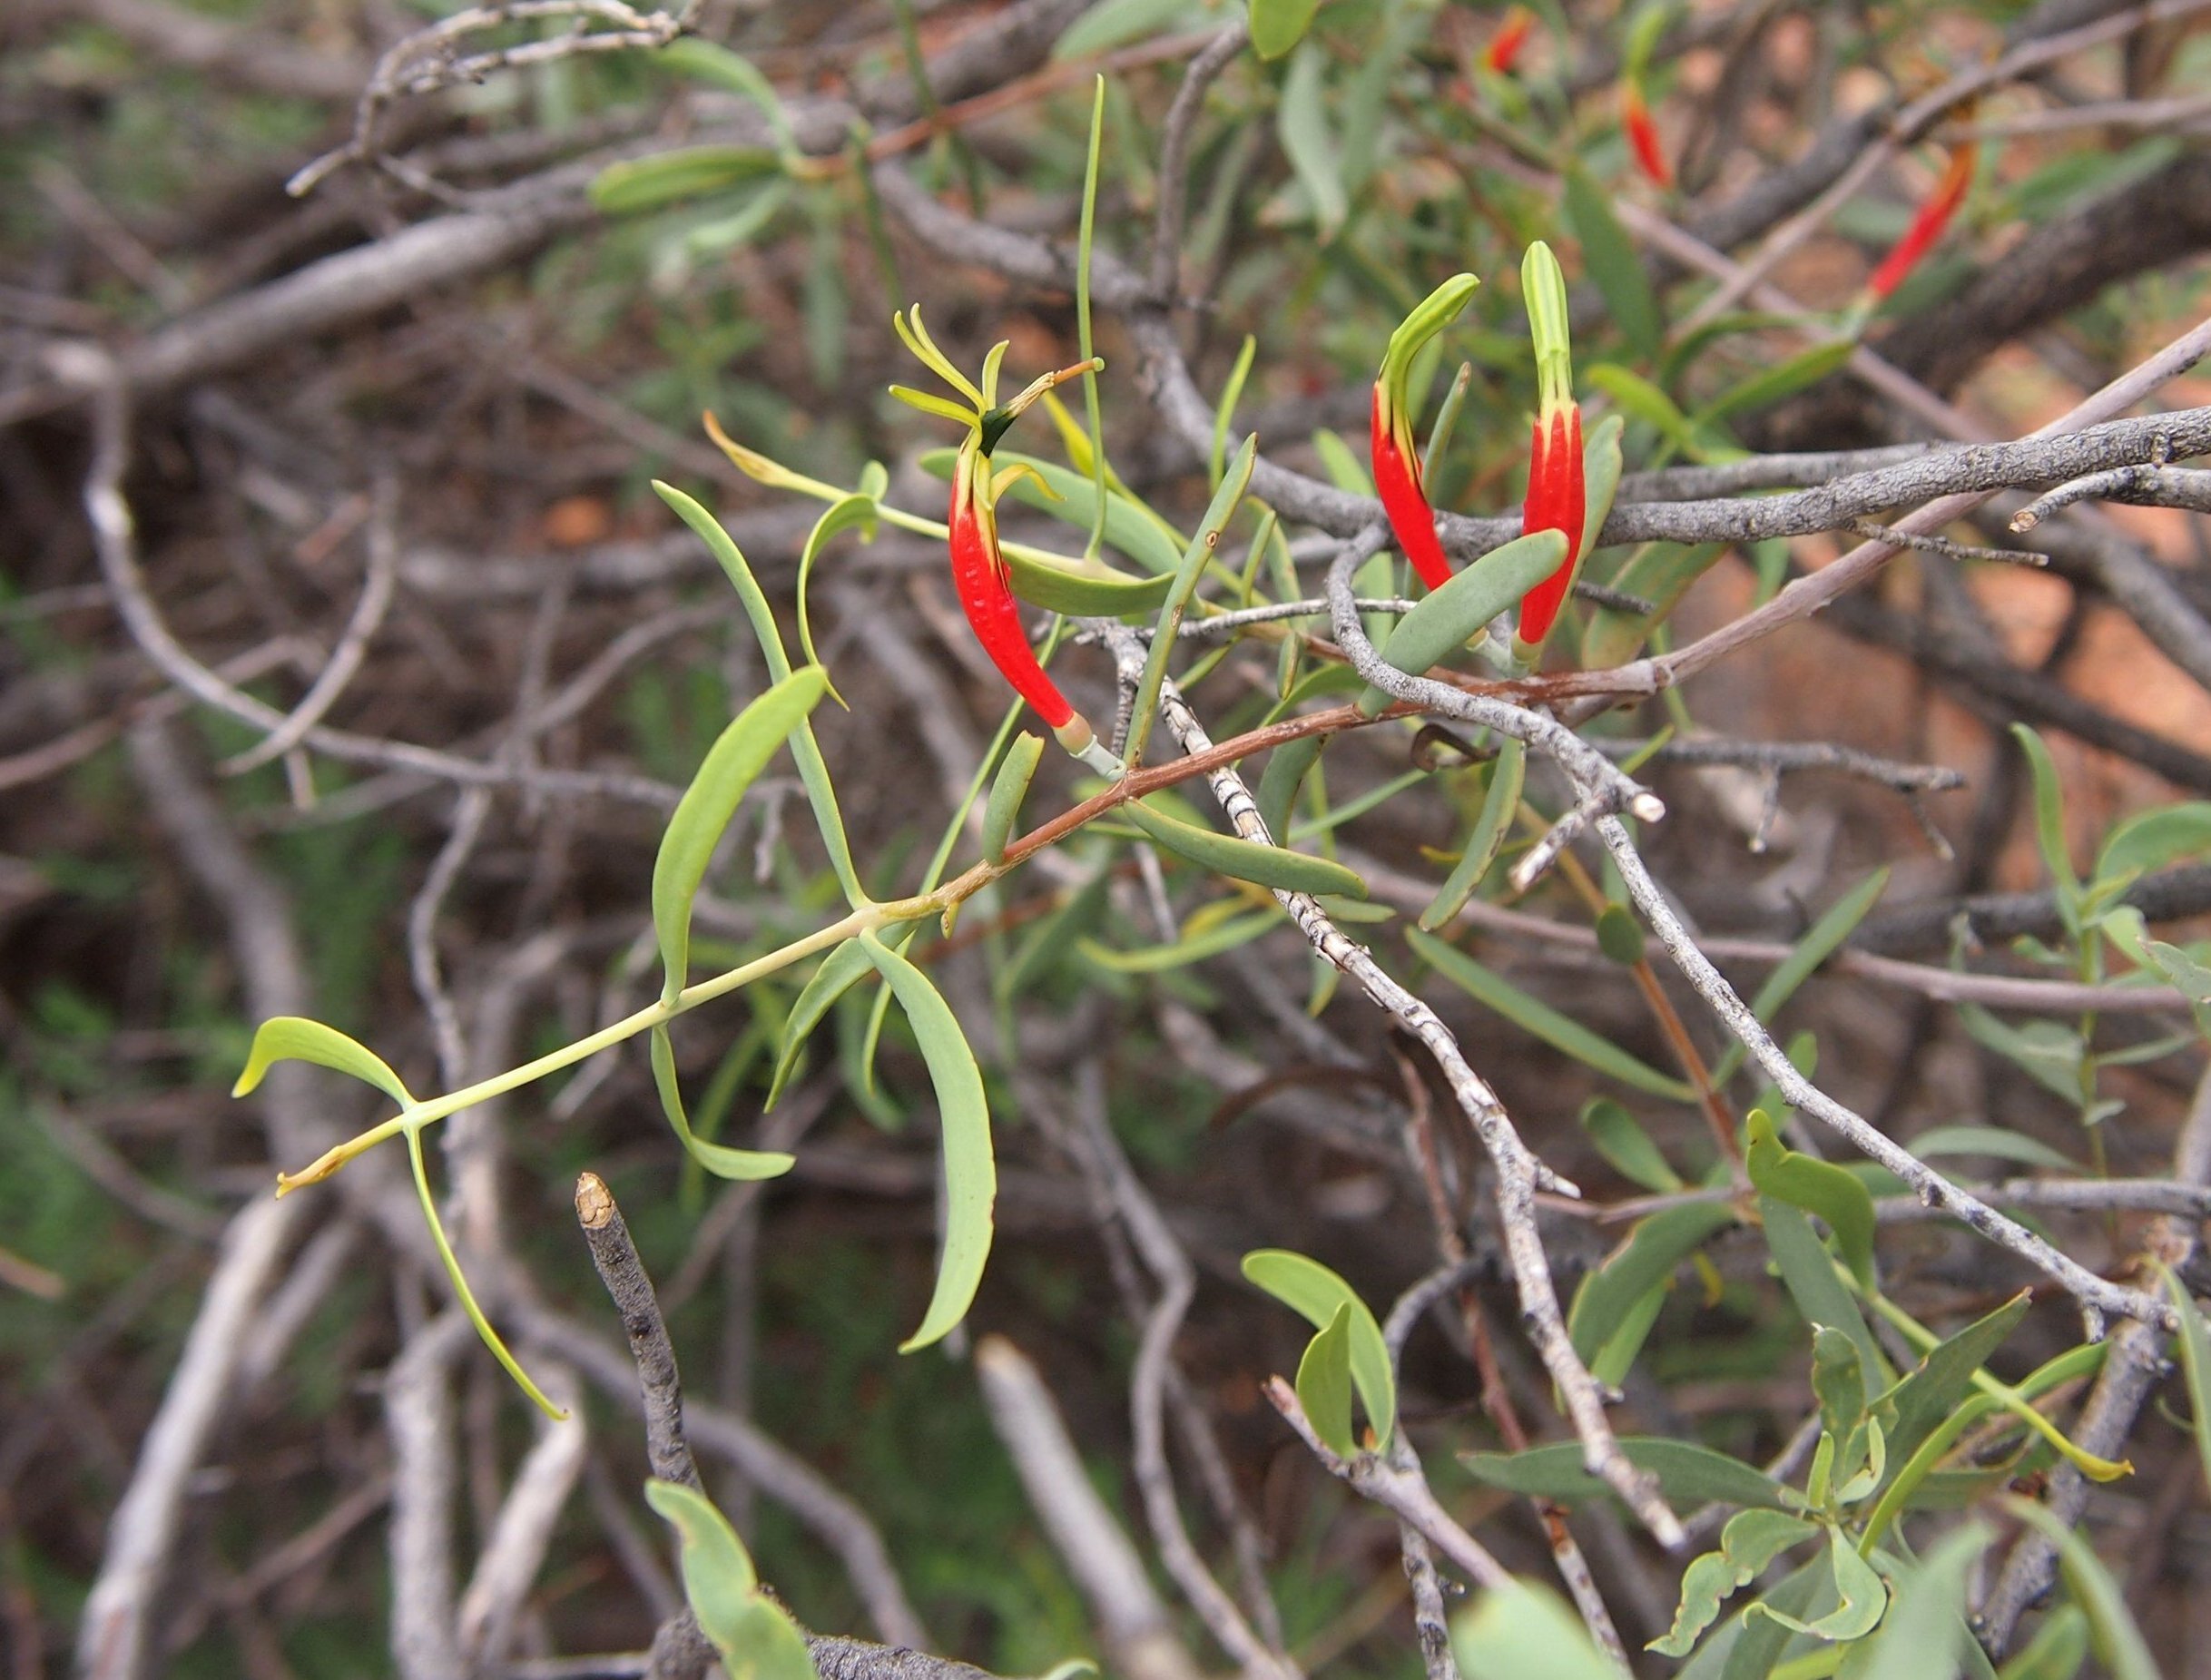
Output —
<point x="1928" y="225"/>
<point x="986" y="596"/>
<point x="1643" y="133"/>
<point x="1396" y="456"/>
<point x="1506" y="43"/>
<point x="1557" y="497"/>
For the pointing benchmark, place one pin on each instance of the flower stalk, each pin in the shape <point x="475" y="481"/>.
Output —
<point x="1396" y="456"/>
<point x="1557" y="493"/>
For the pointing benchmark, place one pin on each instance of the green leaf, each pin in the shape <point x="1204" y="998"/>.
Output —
<point x="1324" y="1384"/>
<point x="1444" y="619"/>
<point x="1809" y="1273"/>
<point x="1821" y="941"/>
<point x="1499" y="805"/>
<point x="1687" y="1473"/>
<point x="460" y="1279"/>
<point x="1610" y="257"/>
<point x="1072" y="498"/>
<point x="1277" y="25"/>
<point x="1278" y="784"/>
<point x="854" y="512"/>
<point x="1271" y="867"/>
<point x="1923" y="1636"/>
<point x="2153" y="839"/>
<point x="2049" y="824"/>
<point x="1542" y="1021"/>
<point x="1600" y="479"/>
<point x="722" y="1161"/>
<point x="1007" y="790"/>
<point x="731" y="765"/>
<point x="1117" y="23"/>
<point x="2194" y="1359"/>
<point x="295" y="1038"/>
<point x="970" y="1168"/>
<point x="1930" y="1391"/>
<point x="1995" y="1142"/>
<point x="1626" y="1147"/>
<point x="2057" y="1651"/>
<point x="1638" y="399"/>
<point x="1861" y="1599"/>
<point x="1644" y="1263"/>
<point x="1189" y="568"/>
<point x="2119" y="1642"/>
<point x="1816" y="1186"/>
<point x="1524" y="1632"/>
<point x="835" y="975"/>
<point x="1748" y="1647"/>
<point x="1196" y="945"/>
<point x="1661" y="574"/>
<point x="668" y="177"/>
<point x="1311" y="1290"/>
<point x="693" y="55"/>
<point x="1231" y="394"/>
<point x="1762" y="391"/>
<point x="1301" y="120"/>
<point x="1752" y="1540"/>
<point x="821" y="795"/>
<point x="2049" y="1053"/>
<point x="755" y="1636"/>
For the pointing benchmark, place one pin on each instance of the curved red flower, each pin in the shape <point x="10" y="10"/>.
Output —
<point x="1927" y="226"/>
<point x="1557" y="499"/>
<point x="1396" y="456"/>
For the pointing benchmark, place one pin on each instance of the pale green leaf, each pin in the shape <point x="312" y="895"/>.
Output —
<point x="1266" y="865"/>
<point x="1444" y="619"/>
<point x="669" y="177"/>
<point x="295" y="1038"/>
<point x="1523" y="1631"/>
<point x="719" y="1159"/>
<point x="1277" y="25"/>
<point x="1311" y="1290"/>
<point x="1539" y="1019"/>
<point x="970" y="1168"/>
<point x="1500" y="801"/>
<point x="836" y="974"/>
<point x="2194" y="1359"/>
<point x="1189" y="568"/>
<point x="1613" y="264"/>
<point x="2118" y="1641"/>
<point x="1007" y="792"/>
<point x="1324" y="1384"/>
<point x="1626" y="1147"/>
<point x="1821" y="1187"/>
<point x="731" y="765"/>
<point x="1308" y="140"/>
<point x="1687" y="1473"/>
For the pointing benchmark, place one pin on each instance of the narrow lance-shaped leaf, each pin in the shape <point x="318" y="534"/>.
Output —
<point x="970" y="1167"/>
<point x="1630" y="1150"/>
<point x="1928" y="1394"/>
<point x="459" y="1279"/>
<point x="1808" y="1272"/>
<point x="733" y="763"/>
<point x="1277" y="25"/>
<point x="1276" y="794"/>
<point x="1687" y="1473"/>
<point x="1324" y="1384"/>
<point x="2118" y="1640"/>
<point x="1007" y="792"/>
<point x="854" y="512"/>
<point x="719" y="1159"/>
<point x="1613" y="264"/>
<point x="820" y="794"/>
<point x="1445" y="619"/>
<point x="1820" y="942"/>
<point x="1273" y="867"/>
<point x="838" y="973"/>
<point x="1539" y="1019"/>
<point x="2194" y="1359"/>
<point x="1644" y="1263"/>
<point x="1316" y="1293"/>
<point x="295" y="1038"/>
<point x="1500" y="804"/>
